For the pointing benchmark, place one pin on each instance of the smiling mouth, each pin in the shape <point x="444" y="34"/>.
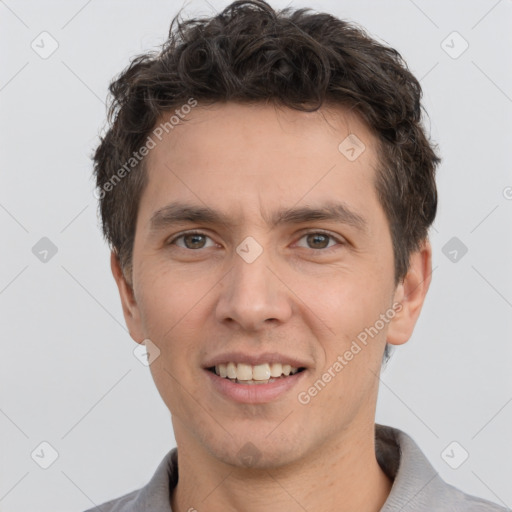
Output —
<point x="259" y="374"/>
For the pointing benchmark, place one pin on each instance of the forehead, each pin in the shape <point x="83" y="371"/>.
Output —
<point x="253" y="157"/>
<point x="275" y="128"/>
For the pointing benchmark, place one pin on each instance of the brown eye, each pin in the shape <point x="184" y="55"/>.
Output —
<point x="193" y="240"/>
<point x="318" y="240"/>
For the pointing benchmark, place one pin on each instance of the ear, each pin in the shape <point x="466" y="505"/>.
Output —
<point x="411" y="293"/>
<point x="131" y="310"/>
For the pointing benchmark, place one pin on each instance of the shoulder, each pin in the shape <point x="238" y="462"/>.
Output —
<point x="124" y="503"/>
<point x="457" y="500"/>
<point x="417" y="486"/>
<point x="154" y="496"/>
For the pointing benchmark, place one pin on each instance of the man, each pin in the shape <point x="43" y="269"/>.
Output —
<point x="266" y="186"/>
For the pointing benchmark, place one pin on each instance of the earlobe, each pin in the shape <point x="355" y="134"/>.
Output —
<point x="129" y="304"/>
<point x="411" y="293"/>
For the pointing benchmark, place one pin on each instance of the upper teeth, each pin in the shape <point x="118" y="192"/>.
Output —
<point x="264" y="371"/>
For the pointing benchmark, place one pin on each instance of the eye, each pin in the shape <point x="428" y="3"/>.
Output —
<point x="192" y="240"/>
<point x="320" y="240"/>
<point x="316" y="240"/>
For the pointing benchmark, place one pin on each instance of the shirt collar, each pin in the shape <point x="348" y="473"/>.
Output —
<point x="416" y="484"/>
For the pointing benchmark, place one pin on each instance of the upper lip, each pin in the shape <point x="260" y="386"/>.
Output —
<point x="254" y="359"/>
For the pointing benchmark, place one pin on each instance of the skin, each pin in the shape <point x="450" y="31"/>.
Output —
<point x="302" y="297"/>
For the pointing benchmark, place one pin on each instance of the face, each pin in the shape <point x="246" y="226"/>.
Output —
<point x="278" y="253"/>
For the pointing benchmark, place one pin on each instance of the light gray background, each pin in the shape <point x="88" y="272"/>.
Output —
<point x="68" y="374"/>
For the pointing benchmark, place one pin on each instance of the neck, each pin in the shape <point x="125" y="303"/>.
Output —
<point x="342" y="475"/>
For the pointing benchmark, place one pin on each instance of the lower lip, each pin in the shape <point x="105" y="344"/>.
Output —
<point x="254" y="393"/>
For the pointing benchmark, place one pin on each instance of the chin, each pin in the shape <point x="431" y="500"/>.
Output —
<point x="256" y="451"/>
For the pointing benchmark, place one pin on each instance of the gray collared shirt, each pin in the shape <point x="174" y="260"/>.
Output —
<point x="417" y="487"/>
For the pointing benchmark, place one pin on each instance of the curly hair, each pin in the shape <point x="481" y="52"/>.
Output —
<point x="293" y="58"/>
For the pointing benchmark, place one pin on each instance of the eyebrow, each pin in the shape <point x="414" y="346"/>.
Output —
<point x="179" y="212"/>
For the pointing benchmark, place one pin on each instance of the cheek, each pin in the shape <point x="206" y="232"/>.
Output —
<point x="348" y="306"/>
<point x="161" y="300"/>
<point x="171" y="309"/>
<point x="353" y="312"/>
<point x="169" y="384"/>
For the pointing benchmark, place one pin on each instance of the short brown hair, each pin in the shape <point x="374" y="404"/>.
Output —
<point x="292" y="58"/>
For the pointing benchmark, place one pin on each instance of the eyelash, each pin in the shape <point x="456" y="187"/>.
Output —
<point x="313" y="232"/>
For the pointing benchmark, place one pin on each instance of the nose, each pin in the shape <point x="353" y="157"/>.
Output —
<point x="253" y="295"/>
